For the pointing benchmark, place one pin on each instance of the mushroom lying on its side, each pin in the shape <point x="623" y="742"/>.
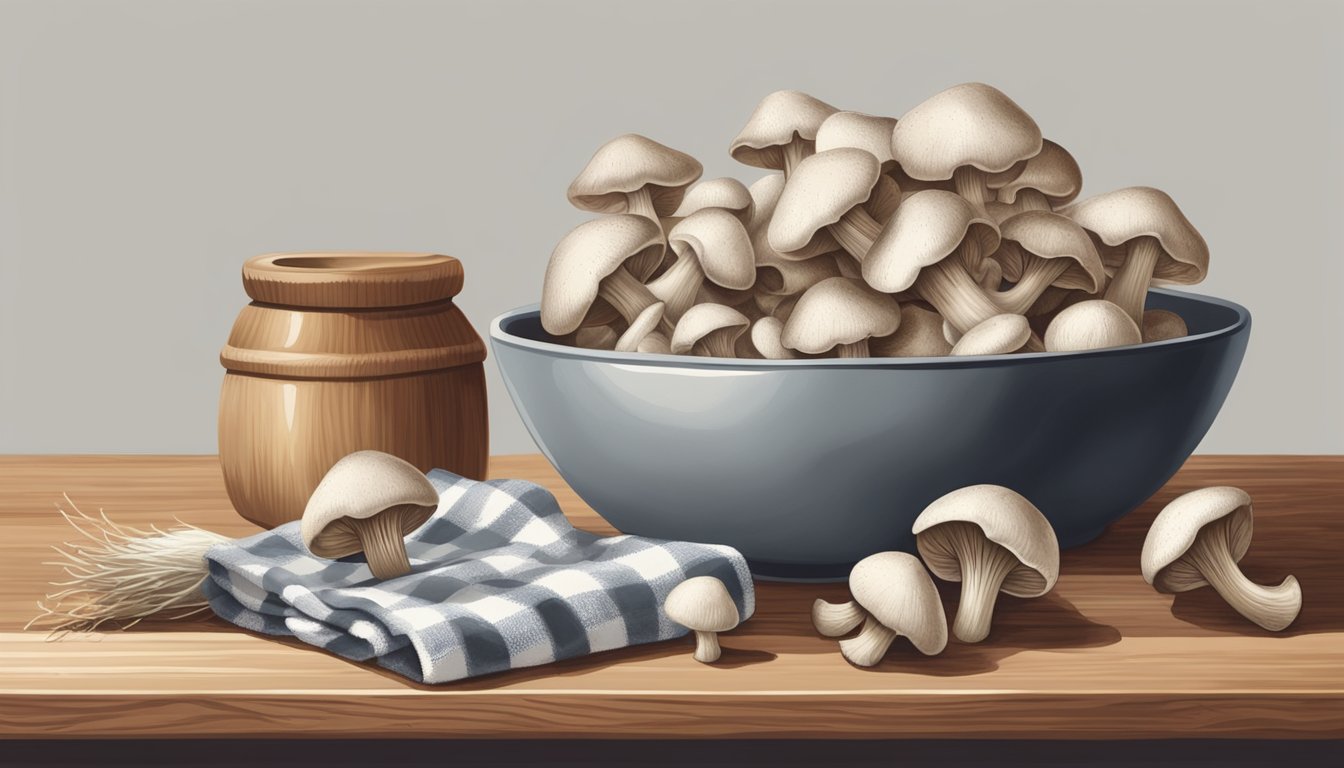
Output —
<point x="893" y="597"/>
<point x="1198" y="539"/>
<point x="999" y="335"/>
<point x="368" y="502"/>
<point x="703" y="605"/>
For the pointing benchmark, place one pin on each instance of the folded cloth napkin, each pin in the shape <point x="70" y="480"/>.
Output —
<point x="499" y="580"/>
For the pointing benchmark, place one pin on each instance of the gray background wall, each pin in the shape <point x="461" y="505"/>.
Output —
<point x="148" y="147"/>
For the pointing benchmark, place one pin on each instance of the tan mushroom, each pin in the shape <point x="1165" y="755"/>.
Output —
<point x="595" y="260"/>
<point x="647" y="322"/>
<point x="859" y="131"/>
<point x="922" y="247"/>
<point x="703" y="605"/>
<point x="1148" y="239"/>
<point x="709" y="330"/>
<point x="1198" y="539"/>
<point x="1049" y="180"/>
<point x="368" y="502"/>
<point x="781" y="131"/>
<point x="1160" y="325"/>
<point x="920" y="334"/>
<point x="840" y="313"/>
<point x="992" y="540"/>
<point x="776" y="273"/>
<point x="656" y="343"/>
<point x="998" y="335"/>
<point x="1041" y="249"/>
<point x="776" y="305"/>
<point x="893" y="597"/>
<point x="828" y="191"/>
<point x="1093" y="324"/>
<point x="725" y="192"/>
<point x="710" y="244"/>
<point x="597" y="337"/>
<point x="765" y="335"/>
<point x="634" y="174"/>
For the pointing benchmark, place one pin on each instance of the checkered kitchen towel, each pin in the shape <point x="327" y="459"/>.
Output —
<point x="499" y="580"/>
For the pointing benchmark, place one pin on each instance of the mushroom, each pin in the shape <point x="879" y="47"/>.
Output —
<point x="776" y="273"/>
<point x="709" y="330"/>
<point x="703" y="605"/>
<point x="644" y="324"/>
<point x="781" y="131"/>
<point x="634" y="174"/>
<point x="710" y="243"/>
<point x="920" y="334"/>
<point x="1149" y="239"/>
<point x="922" y="248"/>
<point x="1198" y="539"/>
<point x="992" y="540"/>
<point x="828" y="191"/>
<point x="724" y="192"/>
<point x="597" y="337"/>
<point x="840" y="313"/>
<point x="1050" y="179"/>
<point x="656" y="343"/>
<point x="368" y="502"/>
<point x="893" y="597"/>
<point x="1092" y="324"/>
<point x="765" y="334"/>
<point x="998" y="335"/>
<point x="1160" y="325"/>
<point x="595" y="260"/>
<point x="776" y="305"/>
<point x="1040" y="249"/>
<point x="859" y="131"/>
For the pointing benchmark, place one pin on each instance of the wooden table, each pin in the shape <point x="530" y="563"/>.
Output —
<point x="1101" y="657"/>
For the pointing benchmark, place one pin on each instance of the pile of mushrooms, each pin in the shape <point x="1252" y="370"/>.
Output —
<point x="953" y="230"/>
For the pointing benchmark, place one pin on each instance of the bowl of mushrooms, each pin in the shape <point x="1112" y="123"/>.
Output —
<point x="896" y="309"/>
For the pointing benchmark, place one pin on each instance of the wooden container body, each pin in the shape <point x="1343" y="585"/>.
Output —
<point x="306" y="385"/>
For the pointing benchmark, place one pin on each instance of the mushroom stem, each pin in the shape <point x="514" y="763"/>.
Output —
<point x="625" y="294"/>
<point x="836" y="619"/>
<point x="971" y="183"/>
<point x="678" y="285"/>
<point x="1029" y="199"/>
<point x="951" y="291"/>
<point x="1129" y="287"/>
<point x="857" y="349"/>
<point x="794" y="152"/>
<point x="383" y="543"/>
<point x="1270" y="607"/>
<point x="870" y="645"/>
<point x="640" y="203"/>
<point x="707" y="650"/>
<point x="984" y="566"/>
<point x="856" y="231"/>
<point x="1037" y="275"/>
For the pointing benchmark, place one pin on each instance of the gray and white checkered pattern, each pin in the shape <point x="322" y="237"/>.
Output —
<point x="499" y="580"/>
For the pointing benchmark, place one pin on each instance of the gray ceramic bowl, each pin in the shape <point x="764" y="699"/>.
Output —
<point x="807" y="466"/>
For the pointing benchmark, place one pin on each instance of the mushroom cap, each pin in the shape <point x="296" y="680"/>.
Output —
<point x="1160" y="325"/>
<point x="1177" y="527"/>
<point x="627" y="163"/>
<point x="927" y="227"/>
<point x="997" y="335"/>
<point x="969" y="124"/>
<point x="1125" y="214"/>
<point x="1053" y="172"/>
<point x="1008" y="519"/>
<point x="582" y="258"/>
<point x="781" y="118"/>
<point x="702" y="604"/>
<point x="870" y="133"/>
<point x="655" y="343"/>
<point x="920" y="334"/>
<point x="896" y="590"/>
<point x="1091" y="324"/>
<point x="645" y="323"/>
<point x="723" y="192"/>
<point x="821" y="189"/>
<point x="1051" y="236"/>
<point x="362" y="485"/>
<point x="765" y="335"/>
<point x="718" y="241"/>
<point x="839" y="310"/>
<point x="703" y="319"/>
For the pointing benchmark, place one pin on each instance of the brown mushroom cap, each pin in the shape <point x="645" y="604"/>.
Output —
<point x="839" y="311"/>
<point x="972" y="124"/>
<point x="627" y="164"/>
<point x="584" y="257"/>
<point x="782" y="118"/>
<point x="1053" y="172"/>
<point x="1125" y="214"/>
<point x="928" y="227"/>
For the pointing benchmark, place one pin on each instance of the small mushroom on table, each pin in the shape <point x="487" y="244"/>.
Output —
<point x="840" y="313"/>
<point x="634" y="174"/>
<point x="703" y="605"/>
<point x="368" y="502"/>
<point x="1091" y="324"/>
<point x="781" y="131"/>
<point x="893" y="597"/>
<point x="1146" y="238"/>
<point x="992" y="540"/>
<point x="709" y="330"/>
<point x="1198" y="540"/>
<point x="595" y="261"/>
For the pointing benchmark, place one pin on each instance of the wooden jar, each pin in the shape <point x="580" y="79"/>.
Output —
<point x="340" y="352"/>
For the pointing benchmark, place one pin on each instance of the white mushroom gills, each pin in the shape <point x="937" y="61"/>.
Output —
<point x="1272" y="608"/>
<point x="984" y="566"/>
<point x="836" y="619"/>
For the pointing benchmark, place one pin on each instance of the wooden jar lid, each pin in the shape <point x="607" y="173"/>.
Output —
<point x="351" y="280"/>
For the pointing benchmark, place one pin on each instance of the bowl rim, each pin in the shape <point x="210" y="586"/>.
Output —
<point x="499" y="336"/>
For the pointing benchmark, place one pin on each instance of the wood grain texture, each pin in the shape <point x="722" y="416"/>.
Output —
<point x="1103" y="656"/>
